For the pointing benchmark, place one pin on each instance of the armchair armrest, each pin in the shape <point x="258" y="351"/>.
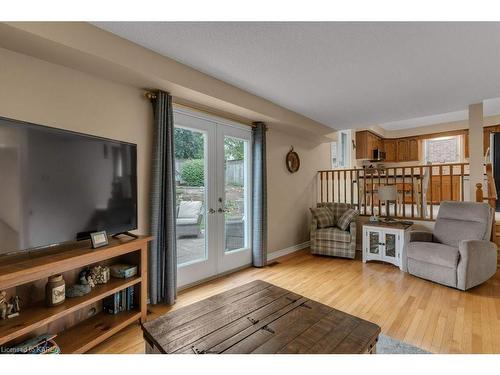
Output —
<point x="314" y="226"/>
<point x="352" y="228"/>
<point x="420" y="236"/>
<point x="478" y="262"/>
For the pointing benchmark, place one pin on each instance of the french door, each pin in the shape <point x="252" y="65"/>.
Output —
<point x="213" y="196"/>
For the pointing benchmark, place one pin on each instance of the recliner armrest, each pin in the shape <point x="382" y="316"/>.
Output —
<point x="478" y="262"/>
<point x="420" y="236"/>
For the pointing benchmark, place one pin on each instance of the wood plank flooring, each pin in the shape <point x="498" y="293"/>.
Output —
<point x="431" y="316"/>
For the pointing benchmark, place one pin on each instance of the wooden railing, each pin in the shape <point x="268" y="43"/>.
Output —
<point x="420" y="188"/>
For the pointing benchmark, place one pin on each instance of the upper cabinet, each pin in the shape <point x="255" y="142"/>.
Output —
<point x="408" y="149"/>
<point x="396" y="150"/>
<point x="402" y="150"/>
<point x="366" y="142"/>
<point x="390" y="148"/>
<point x="413" y="147"/>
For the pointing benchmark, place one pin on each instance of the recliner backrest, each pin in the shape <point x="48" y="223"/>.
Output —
<point x="457" y="221"/>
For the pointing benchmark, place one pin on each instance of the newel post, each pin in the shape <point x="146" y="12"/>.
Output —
<point x="479" y="192"/>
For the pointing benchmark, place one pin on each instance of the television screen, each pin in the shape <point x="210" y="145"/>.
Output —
<point x="58" y="186"/>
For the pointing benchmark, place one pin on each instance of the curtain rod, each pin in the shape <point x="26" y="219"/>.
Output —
<point x="150" y="95"/>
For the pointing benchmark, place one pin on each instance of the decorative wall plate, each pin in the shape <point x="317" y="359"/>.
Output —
<point x="292" y="161"/>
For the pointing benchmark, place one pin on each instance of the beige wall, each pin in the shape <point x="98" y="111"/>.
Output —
<point x="82" y="46"/>
<point x="291" y="195"/>
<point x="36" y="91"/>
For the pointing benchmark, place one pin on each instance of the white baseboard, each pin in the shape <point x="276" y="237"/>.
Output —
<point x="288" y="250"/>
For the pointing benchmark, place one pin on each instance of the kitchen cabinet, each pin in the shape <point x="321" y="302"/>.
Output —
<point x="366" y="142"/>
<point x="413" y="149"/>
<point x="396" y="149"/>
<point x="390" y="149"/>
<point x="402" y="150"/>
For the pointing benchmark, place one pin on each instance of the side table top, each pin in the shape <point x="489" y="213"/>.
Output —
<point x="394" y="225"/>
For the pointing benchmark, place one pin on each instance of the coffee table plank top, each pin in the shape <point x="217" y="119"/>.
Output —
<point x="259" y="317"/>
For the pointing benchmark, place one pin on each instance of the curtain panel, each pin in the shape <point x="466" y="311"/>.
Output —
<point x="163" y="253"/>
<point x="259" y="195"/>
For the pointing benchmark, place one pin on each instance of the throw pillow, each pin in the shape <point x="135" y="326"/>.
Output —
<point x="324" y="217"/>
<point x="346" y="218"/>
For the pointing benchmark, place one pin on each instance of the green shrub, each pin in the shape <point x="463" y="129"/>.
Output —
<point x="193" y="172"/>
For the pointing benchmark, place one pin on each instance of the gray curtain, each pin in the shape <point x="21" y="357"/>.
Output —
<point x="163" y="252"/>
<point x="259" y="195"/>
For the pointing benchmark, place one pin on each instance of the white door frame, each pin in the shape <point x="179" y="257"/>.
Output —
<point x="188" y="273"/>
<point x="218" y="261"/>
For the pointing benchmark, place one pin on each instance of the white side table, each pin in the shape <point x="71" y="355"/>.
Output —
<point x="385" y="242"/>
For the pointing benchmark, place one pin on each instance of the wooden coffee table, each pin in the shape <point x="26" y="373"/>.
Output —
<point x="259" y="317"/>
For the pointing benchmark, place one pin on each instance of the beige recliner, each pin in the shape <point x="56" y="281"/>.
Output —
<point x="459" y="252"/>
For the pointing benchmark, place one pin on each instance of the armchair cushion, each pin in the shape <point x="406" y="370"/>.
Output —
<point x="323" y="216"/>
<point x="346" y="218"/>
<point x="433" y="253"/>
<point x="333" y="234"/>
<point x="186" y="221"/>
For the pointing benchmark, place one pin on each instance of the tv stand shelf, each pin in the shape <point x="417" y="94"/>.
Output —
<point x="24" y="268"/>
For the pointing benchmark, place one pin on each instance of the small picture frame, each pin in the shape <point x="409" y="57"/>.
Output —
<point x="99" y="239"/>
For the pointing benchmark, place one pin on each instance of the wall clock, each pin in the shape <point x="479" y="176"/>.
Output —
<point x="292" y="161"/>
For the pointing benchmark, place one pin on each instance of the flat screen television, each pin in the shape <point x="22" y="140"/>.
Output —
<point x="58" y="186"/>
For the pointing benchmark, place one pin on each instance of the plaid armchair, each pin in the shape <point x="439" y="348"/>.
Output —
<point x="334" y="241"/>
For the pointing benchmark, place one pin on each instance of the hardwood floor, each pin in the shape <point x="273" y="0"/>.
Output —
<point x="431" y="316"/>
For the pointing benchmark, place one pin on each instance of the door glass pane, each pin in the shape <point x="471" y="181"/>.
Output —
<point x="390" y="245"/>
<point x="235" y="190"/>
<point x="374" y="240"/>
<point x="190" y="167"/>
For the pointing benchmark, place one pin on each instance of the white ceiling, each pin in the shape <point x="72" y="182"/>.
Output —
<point x="343" y="75"/>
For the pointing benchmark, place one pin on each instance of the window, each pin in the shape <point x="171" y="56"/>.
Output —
<point x="443" y="150"/>
<point x="341" y="150"/>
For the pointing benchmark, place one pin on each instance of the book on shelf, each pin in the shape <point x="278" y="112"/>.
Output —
<point x="120" y="301"/>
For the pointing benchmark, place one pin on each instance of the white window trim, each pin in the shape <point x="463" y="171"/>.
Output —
<point x="348" y="155"/>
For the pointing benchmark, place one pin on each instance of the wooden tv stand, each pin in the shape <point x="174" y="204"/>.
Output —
<point x="35" y="267"/>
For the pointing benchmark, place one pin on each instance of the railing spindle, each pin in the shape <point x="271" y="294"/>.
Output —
<point x="338" y="186"/>
<point x="421" y="193"/>
<point x="462" y="182"/>
<point x="378" y="195"/>
<point x="371" y="202"/>
<point x="328" y="186"/>
<point x="430" y="188"/>
<point x="412" y="190"/>
<point x="351" y="185"/>
<point x="440" y="184"/>
<point x="451" y="183"/>
<point x="403" y="174"/>
<point x="321" y="186"/>
<point x="345" y="189"/>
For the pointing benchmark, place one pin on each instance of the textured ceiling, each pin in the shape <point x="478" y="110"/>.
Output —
<point x="340" y="74"/>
